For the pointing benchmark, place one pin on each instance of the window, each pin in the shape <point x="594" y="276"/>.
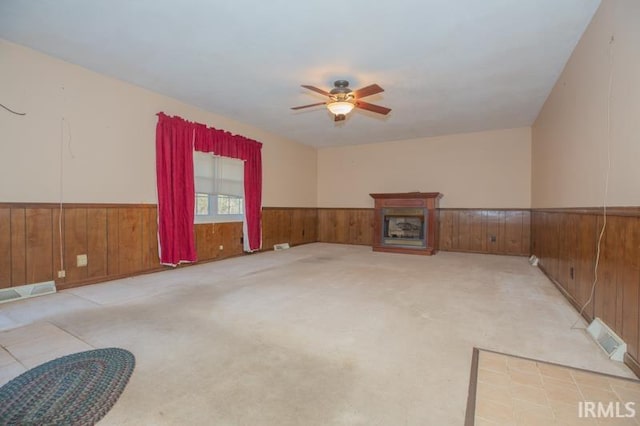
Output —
<point x="219" y="184"/>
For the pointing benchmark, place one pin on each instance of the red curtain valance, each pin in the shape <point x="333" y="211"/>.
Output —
<point x="176" y="139"/>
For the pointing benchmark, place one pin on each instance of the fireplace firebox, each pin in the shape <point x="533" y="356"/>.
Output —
<point x="406" y="222"/>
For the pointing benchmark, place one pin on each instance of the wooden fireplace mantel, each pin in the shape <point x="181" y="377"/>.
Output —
<point x="416" y="210"/>
<point x="408" y="195"/>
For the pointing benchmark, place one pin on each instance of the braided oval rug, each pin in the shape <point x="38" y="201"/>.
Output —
<point x="77" y="389"/>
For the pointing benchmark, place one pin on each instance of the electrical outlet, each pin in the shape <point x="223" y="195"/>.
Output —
<point x="81" y="260"/>
<point x="221" y="247"/>
<point x="62" y="274"/>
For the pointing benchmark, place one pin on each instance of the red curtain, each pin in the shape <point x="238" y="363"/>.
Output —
<point x="175" y="141"/>
<point x="176" y="199"/>
<point x="224" y="144"/>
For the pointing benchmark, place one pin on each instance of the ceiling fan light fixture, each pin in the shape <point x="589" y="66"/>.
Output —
<point x="340" y="107"/>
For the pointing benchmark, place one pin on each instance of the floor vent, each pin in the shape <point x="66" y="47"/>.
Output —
<point x="26" y="291"/>
<point x="282" y="246"/>
<point x="609" y="341"/>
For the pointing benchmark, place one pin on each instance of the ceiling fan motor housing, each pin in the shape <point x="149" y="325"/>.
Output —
<point x="341" y="87"/>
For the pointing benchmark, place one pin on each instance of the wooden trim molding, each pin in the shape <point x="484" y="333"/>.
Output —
<point x="598" y="211"/>
<point x="6" y="205"/>
<point x="347" y="208"/>
<point x="481" y="208"/>
<point x="469" y="418"/>
<point x="633" y="364"/>
<point x="289" y="208"/>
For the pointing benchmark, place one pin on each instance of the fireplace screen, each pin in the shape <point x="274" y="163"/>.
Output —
<point x="404" y="227"/>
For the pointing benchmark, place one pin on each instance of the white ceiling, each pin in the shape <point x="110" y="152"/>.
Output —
<point x="447" y="66"/>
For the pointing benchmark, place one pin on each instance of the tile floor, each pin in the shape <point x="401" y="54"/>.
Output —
<point x="517" y="391"/>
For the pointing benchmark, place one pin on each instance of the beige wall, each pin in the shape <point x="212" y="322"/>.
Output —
<point x="485" y="169"/>
<point x="570" y="136"/>
<point x="108" y="147"/>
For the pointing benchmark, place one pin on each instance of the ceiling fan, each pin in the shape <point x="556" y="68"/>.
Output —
<point x="342" y="99"/>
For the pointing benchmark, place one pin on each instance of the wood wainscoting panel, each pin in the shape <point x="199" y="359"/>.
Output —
<point x="208" y="240"/>
<point x="97" y="250"/>
<point x="496" y="231"/>
<point x="496" y="223"/>
<point x="345" y="226"/>
<point x="293" y="225"/>
<point x="5" y="247"/>
<point x="40" y="239"/>
<point x="75" y="238"/>
<point x="130" y="239"/>
<point x="297" y="227"/>
<point x="566" y="241"/>
<point x="477" y="226"/>
<point x="304" y="226"/>
<point x="150" y="256"/>
<point x="629" y="281"/>
<point x="231" y="239"/>
<point x="327" y="225"/>
<point x="210" y="236"/>
<point x="310" y="225"/>
<point x="18" y="247"/>
<point x="119" y="240"/>
<point x="448" y="228"/>
<point x="113" y="243"/>
<point x="466" y="230"/>
<point x="276" y="227"/>
<point x="583" y="263"/>
<point x="57" y="231"/>
<point x="39" y="245"/>
<point x="606" y="291"/>
<point x="516" y="231"/>
<point x="471" y="229"/>
<point x="360" y="227"/>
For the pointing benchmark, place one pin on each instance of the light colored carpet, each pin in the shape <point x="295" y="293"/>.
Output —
<point x="320" y="334"/>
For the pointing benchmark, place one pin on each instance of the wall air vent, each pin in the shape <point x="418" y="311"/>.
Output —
<point x="609" y="341"/>
<point x="283" y="246"/>
<point x="25" y="291"/>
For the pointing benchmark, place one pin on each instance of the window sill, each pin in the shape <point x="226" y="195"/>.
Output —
<point x="203" y="221"/>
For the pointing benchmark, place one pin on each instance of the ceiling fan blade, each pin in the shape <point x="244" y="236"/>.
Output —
<point x="339" y="117"/>
<point x="315" y="89"/>
<point x="310" y="105"/>
<point x="367" y="91"/>
<point x="373" y="108"/>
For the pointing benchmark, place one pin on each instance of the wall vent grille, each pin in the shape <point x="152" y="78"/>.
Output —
<point x="25" y="291"/>
<point x="609" y="341"/>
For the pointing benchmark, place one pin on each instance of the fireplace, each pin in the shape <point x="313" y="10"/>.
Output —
<point x="404" y="227"/>
<point x="406" y="222"/>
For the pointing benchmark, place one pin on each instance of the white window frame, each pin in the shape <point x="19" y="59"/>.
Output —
<point x="214" y="216"/>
